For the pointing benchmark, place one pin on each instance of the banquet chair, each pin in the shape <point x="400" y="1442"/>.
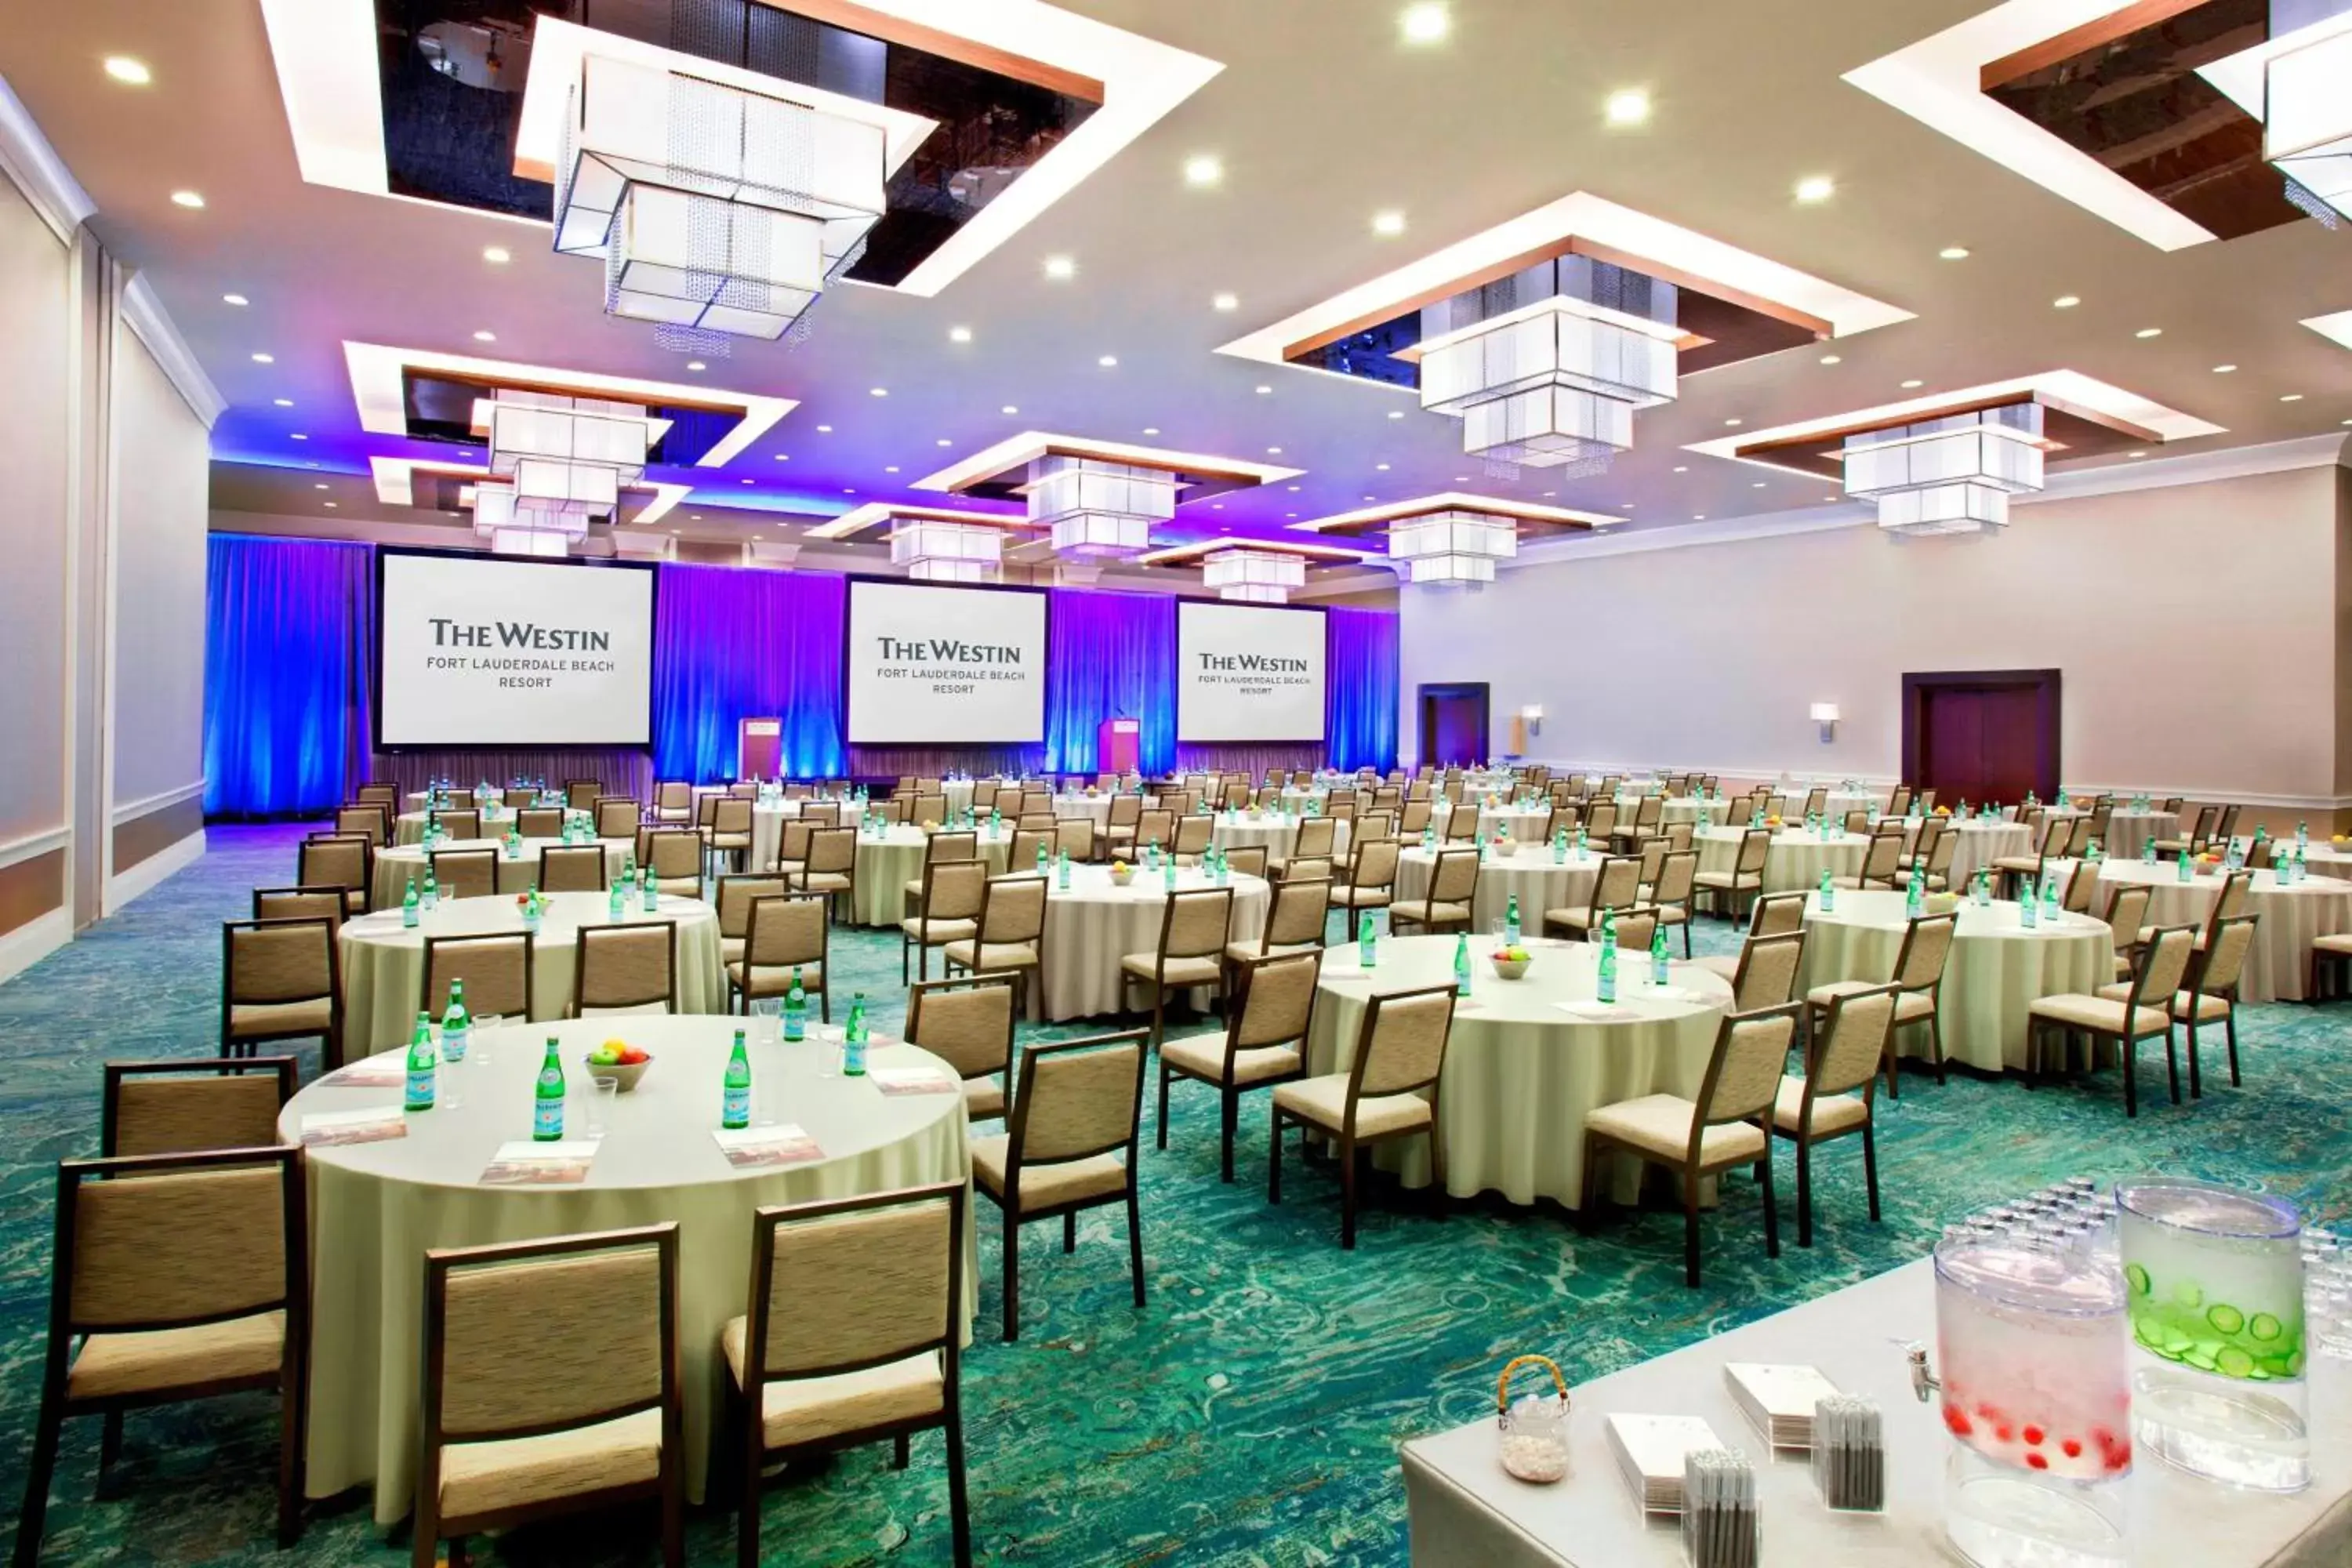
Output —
<point x="1726" y="1127"/>
<point x="2261" y="854"/>
<point x="1371" y="881"/>
<point x="1461" y="824"/>
<point x="1153" y="828"/>
<point x="300" y="904"/>
<point x="1600" y="821"/>
<point x="1932" y="832"/>
<point x="1880" y="860"/>
<point x="497" y="970"/>
<point x="1617" y="886"/>
<point x="616" y="817"/>
<point x="852" y="1337"/>
<point x="1418" y="790"/>
<point x="547" y="822"/>
<point x="336" y="860"/>
<point x="1740" y="811"/>
<point x="744" y="789"/>
<point x="732" y="899"/>
<point x="1370" y="824"/>
<point x="1026" y="844"/>
<point x="1264" y="1043"/>
<point x="2127" y="918"/>
<point x="1817" y="800"/>
<point x="2094" y="829"/>
<point x="2200" y="833"/>
<point x="1311" y="840"/>
<point x="1414" y="817"/>
<point x="470" y="873"/>
<point x="2211" y="992"/>
<point x="1746" y="876"/>
<point x="1075" y="837"/>
<point x="2142" y="1014"/>
<point x="463" y="822"/>
<point x="1633" y="930"/>
<point x="629" y="968"/>
<point x="1236" y="795"/>
<point x="1652" y="854"/>
<point x="831" y="868"/>
<point x="2330" y="967"/>
<point x="188" y="1282"/>
<point x="675" y="857"/>
<point x="1765" y="973"/>
<point x="1193" y="833"/>
<point x="514" y="797"/>
<point x="1383" y="800"/>
<point x="1445" y="904"/>
<point x="1856" y="821"/>
<point x="787" y="938"/>
<point x="592" y="1417"/>
<point x="945" y="909"/>
<point x="1119" y="828"/>
<point x="1899" y="803"/>
<point x="1389" y="1089"/>
<point x="1038" y="821"/>
<point x="1298" y="869"/>
<point x="1078" y="1107"/>
<point x="928" y="810"/>
<point x="570" y="867"/>
<point x="983" y="795"/>
<point x="1247" y="859"/>
<point x="820" y="813"/>
<point x="2083" y="884"/>
<point x="729" y="833"/>
<point x="190" y="1104"/>
<point x="388" y="794"/>
<point x="1938" y="876"/>
<point x="1343" y="807"/>
<point x="1195" y="926"/>
<point x="1450" y="789"/>
<point x="1011" y="936"/>
<point x="1266" y="795"/>
<point x="280" y="981"/>
<point x="580" y="795"/>
<point x="1630" y="837"/>
<point x="1832" y="1100"/>
<point x="366" y="819"/>
<point x="1670" y="896"/>
<point x="1918" y="982"/>
<point x="959" y="846"/>
<point x="791" y="844"/>
<point x="1295" y="923"/>
<point x="968" y="1024"/>
<point x="2055" y="833"/>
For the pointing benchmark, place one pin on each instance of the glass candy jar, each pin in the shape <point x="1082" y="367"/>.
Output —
<point x="1533" y="1430"/>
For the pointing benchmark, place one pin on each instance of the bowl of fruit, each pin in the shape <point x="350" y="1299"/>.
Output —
<point x="620" y="1061"/>
<point x="1511" y="962"/>
<point x="1121" y="873"/>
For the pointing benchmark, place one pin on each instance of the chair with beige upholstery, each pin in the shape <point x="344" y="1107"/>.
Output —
<point x="1011" y="936"/>
<point x="957" y="846"/>
<point x="1746" y="878"/>
<point x="1446" y="903"/>
<point x="1880" y="861"/>
<point x="675" y="857"/>
<point x="1388" y="1090"/>
<point x="463" y="822"/>
<point x="344" y="860"/>
<point x="1724" y="1129"/>
<point x="1617" y="886"/>
<point x="580" y="795"/>
<point x="1370" y="883"/>
<point x="1817" y="801"/>
<point x="616" y="818"/>
<point x="589" y="1417"/>
<point x="1155" y="827"/>
<point x="1312" y="841"/>
<point x="2050" y="845"/>
<point x="1918" y="979"/>
<point x="1194" y="927"/>
<point x="674" y="802"/>
<point x="733" y="901"/>
<point x="1075" y="837"/>
<point x="855" y="1308"/>
<point x="1669" y="898"/>
<point x="386" y="794"/>
<point x="2211" y="992"/>
<point x="1079" y="1108"/>
<point x="1245" y="860"/>
<point x="1855" y="821"/>
<point x="822" y="813"/>
<point x="1118" y="834"/>
<point x="1774" y="914"/>
<point x="947" y="910"/>
<point x="1628" y="838"/>
<point x="496" y="969"/>
<point x="1193" y="831"/>
<point x="2142" y="1014"/>
<point x="1461" y="825"/>
<point x="928" y="810"/>
<point x="188" y="1282"/>
<point x="300" y="904"/>
<point x="469" y="873"/>
<point x="1027" y="844"/>
<point x="630" y="968"/>
<point x="367" y="820"/>
<point x="1294" y="924"/>
<point x="784" y="935"/>
<point x="547" y="822"/>
<point x="1264" y="1043"/>
<point x="571" y="869"/>
<point x="968" y="1024"/>
<point x="831" y="868"/>
<point x="279" y="982"/>
<point x="1932" y="831"/>
<point x="1832" y="1097"/>
<point x="188" y="1105"/>
<point x="1413" y="817"/>
<point x="729" y="836"/>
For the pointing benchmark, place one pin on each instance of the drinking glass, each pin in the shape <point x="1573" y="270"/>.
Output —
<point x="828" y="1053"/>
<point x="486" y="1026"/>
<point x="603" y="1094"/>
<point x="768" y="1067"/>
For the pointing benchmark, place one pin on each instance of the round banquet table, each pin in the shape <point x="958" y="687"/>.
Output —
<point x="1520" y="1070"/>
<point x="1094" y="923"/>
<point x="1297" y="798"/>
<point x="888" y="863"/>
<point x="2130" y="831"/>
<point x="1097" y="807"/>
<point x="1529" y="872"/>
<point x="396" y="864"/>
<point x="2279" y="967"/>
<point x="1796" y="858"/>
<point x="1981" y="843"/>
<point x="1524" y="821"/>
<point x="376" y="1207"/>
<point x="408" y="828"/>
<point x="1270" y="831"/>
<point x="1679" y="809"/>
<point x="384" y="962"/>
<point x="2329" y="859"/>
<point x="1994" y="974"/>
<point x="418" y="799"/>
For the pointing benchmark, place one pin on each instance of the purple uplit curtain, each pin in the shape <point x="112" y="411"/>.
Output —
<point x="1111" y="656"/>
<point x="1360" y="702"/>
<point x="288" y="626"/>
<point x="730" y="644"/>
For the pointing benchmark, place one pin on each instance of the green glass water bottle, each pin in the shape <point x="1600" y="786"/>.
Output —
<point x="432" y="889"/>
<point x="457" y="1024"/>
<point x="795" y="1010"/>
<point x="547" y="1096"/>
<point x="1828" y="894"/>
<point x="418" y="1094"/>
<point x="1658" y="960"/>
<point x="854" y="1038"/>
<point x="1511" y="922"/>
<point x="409" y="905"/>
<point x="735" y="1098"/>
<point x="1462" y="963"/>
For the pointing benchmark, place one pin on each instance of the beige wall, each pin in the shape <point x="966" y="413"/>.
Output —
<point x="2197" y="627"/>
<point x="162" y="463"/>
<point x="34" y="316"/>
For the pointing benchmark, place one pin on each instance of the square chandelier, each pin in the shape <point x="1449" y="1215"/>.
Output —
<point x="559" y="464"/>
<point x="936" y="552"/>
<point x="1446" y="548"/>
<point x="2307" y="122"/>
<point x="1097" y="508"/>
<point x="1951" y="475"/>
<point x="1253" y="576"/>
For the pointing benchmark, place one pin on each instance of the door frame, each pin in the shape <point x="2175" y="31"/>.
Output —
<point x="1917" y="685"/>
<point x="1428" y="693"/>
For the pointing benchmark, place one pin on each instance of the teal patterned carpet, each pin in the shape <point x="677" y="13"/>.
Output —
<point x="1249" y="1415"/>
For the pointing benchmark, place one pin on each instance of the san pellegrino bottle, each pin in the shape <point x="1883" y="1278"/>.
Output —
<point x="1606" y="989"/>
<point x="1041" y="856"/>
<point x="648" y="890"/>
<point x="1828" y="894"/>
<point x="1168" y="872"/>
<point x="2301" y="866"/>
<point x="1915" y="895"/>
<point x="735" y="1098"/>
<point x="1580" y="843"/>
<point x="617" y="902"/>
<point x="2148" y="851"/>
<point x="409" y="904"/>
<point x="1511" y="922"/>
<point x="2050" y="895"/>
<point x="1223" y="872"/>
<point x="432" y="889"/>
<point x="1462" y="963"/>
<point x="547" y="1096"/>
<point x="2029" y="907"/>
<point x="1559" y="847"/>
<point x="514" y="843"/>
<point x="2302" y="834"/>
<point x="1658" y="960"/>
<point x="2187" y="871"/>
<point x="1062" y="870"/>
<point x="1983" y="888"/>
<point x="1152" y="855"/>
<point x="457" y="1024"/>
<point x="1368" y="941"/>
<point x="418" y="1093"/>
<point x="531" y="908"/>
<point x="853" y="1039"/>
<point x="795" y="1010"/>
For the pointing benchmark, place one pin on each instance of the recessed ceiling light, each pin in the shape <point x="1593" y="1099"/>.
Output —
<point x="264" y="359"/>
<point x="958" y="335"/>
<point x="751" y="481"/>
<point x="1549" y="494"/>
<point x="496" y="254"/>
<point x="1816" y="189"/>
<point x="824" y="429"/>
<point x="1390" y="222"/>
<point x="1908" y="386"/>
<point x="878" y="392"/>
<point x="1202" y="170"/>
<point x="1216" y="506"/>
<point x="783" y="457"/>
<point x="1108" y="362"/>
<point x="321" y="485"/>
<point x="1152" y="430"/>
<point x="131" y="72"/>
<point x="696" y="518"/>
<point x="1266" y="392"/>
<point x="2291" y="397"/>
<point x="2223" y="369"/>
<point x="1060" y="267"/>
<point x="1954" y="253"/>
<point x="1382" y="467"/>
<point x="283" y="402"/>
<point x="1292" y="488"/>
<point x="1426" y="23"/>
<point x="1008" y="408"/>
<point x="1627" y="106"/>
<point x="943" y="441"/>
<point x="235" y="300"/>
<point x="848" y="492"/>
<point x="1274" y="451"/>
<point x="298" y="436"/>
<point x="330" y="505"/>
<point x="2150" y="332"/>
<point x="2135" y="454"/>
<point x="1756" y="486"/>
<point x="1833" y="359"/>
<point x="1461" y="479"/>
<point x="1685" y="469"/>
<point x="889" y="468"/>
<point x="1368" y="497"/>
<point x="1290" y="514"/>
<point x="1226" y="301"/>
<point x="1698" y="517"/>
<point x="486" y="337"/>
<point x="1396" y="412"/>
<point x="188" y="199"/>
<point x="2067" y="301"/>
<point x="1732" y="422"/>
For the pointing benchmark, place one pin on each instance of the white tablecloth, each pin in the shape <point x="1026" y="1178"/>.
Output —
<point x="1796" y="859"/>
<point x="1097" y="807"/>
<point x="1524" y="821"/>
<point x="2280" y="964"/>
<point x="1982" y="843"/>
<point x="384" y="962"/>
<point x="1270" y="831"/>
<point x="886" y="865"/>
<point x="394" y="865"/>
<point x="2130" y="831"/>
<point x="2329" y="860"/>
<point x="1465" y="1512"/>
<point x="1996" y="971"/>
<point x="1520" y="1072"/>
<point x="408" y="828"/>
<point x="375" y="1208"/>
<point x="418" y="799"/>
<point x="1092" y="926"/>
<point x="1529" y="872"/>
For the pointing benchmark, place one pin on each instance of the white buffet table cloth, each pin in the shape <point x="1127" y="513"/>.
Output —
<point x="2279" y="966"/>
<point x="888" y="863"/>
<point x="1796" y="859"/>
<point x="1529" y="872"/>
<point x="1520" y="1072"/>
<point x="375" y="1208"/>
<point x="1094" y="923"/>
<point x="384" y="962"/>
<point x="394" y="865"/>
<point x="408" y="828"/>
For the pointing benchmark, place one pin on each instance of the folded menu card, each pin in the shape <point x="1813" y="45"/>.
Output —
<point x="1649" y="1449"/>
<point x="530" y="1164"/>
<point x="913" y="1080"/>
<point x="1780" y="1400"/>
<point x="751" y="1147"/>
<point x="376" y="1072"/>
<point x="327" y="1129"/>
<point x="1592" y="1009"/>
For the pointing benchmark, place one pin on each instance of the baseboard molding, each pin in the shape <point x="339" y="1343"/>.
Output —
<point x="33" y="941"/>
<point x="121" y="891"/>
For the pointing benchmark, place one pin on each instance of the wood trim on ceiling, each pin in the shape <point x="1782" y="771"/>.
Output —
<point x="564" y="389"/>
<point x="2065" y="46"/>
<point x="857" y="18"/>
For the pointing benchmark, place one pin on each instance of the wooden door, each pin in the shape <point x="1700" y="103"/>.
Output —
<point x="1979" y="735"/>
<point x="1453" y="723"/>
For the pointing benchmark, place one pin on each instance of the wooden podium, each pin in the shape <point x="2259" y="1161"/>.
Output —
<point x="760" y="748"/>
<point x="1117" y="744"/>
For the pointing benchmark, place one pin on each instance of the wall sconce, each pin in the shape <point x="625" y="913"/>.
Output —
<point x="1533" y="714"/>
<point x="1825" y="714"/>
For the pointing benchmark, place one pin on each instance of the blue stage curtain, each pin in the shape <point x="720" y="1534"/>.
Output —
<point x="730" y="644"/>
<point x="1109" y="656"/>
<point x="287" y="697"/>
<point x="1360" y="702"/>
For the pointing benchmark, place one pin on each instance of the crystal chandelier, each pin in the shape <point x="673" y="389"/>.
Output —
<point x="717" y="211"/>
<point x="1949" y="475"/>
<point x="2307" y="124"/>
<point x="559" y="463"/>
<point x="1546" y="368"/>
<point x="936" y="551"/>
<point x="1253" y="576"/>
<point x="1097" y="508"/>
<point x="1446" y="548"/>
